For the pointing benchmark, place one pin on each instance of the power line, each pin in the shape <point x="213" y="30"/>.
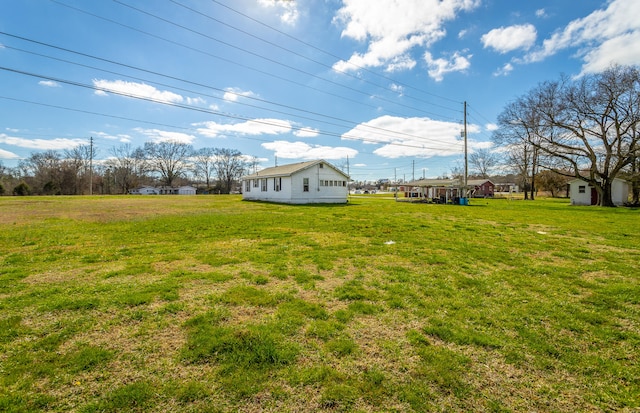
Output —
<point x="386" y="88"/>
<point x="381" y="131"/>
<point x="233" y="62"/>
<point x="333" y="55"/>
<point x="194" y="108"/>
<point x="268" y="59"/>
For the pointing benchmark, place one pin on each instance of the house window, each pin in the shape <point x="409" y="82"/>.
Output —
<point x="247" y="186"/>
<point x="277" y="184"/>
<point x="582" y="189"/>
<point x="321" y="166"/>
<point x="263" y="184"/>
<point x="255" y="183"/>
<point x="305" y="184"/>
<point x="344" y="183"/>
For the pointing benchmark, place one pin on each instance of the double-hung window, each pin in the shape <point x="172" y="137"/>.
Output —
<point x="305" y="184"/>
<point x="247" y="185"/>
<point x="277" y="184"/>
<point x="263" y="184"/>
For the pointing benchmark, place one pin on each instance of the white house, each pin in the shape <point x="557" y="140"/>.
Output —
<point x="163" y="190"/>
<point x="186" y="190"/>
<point x="581" y="193"/>
<point x="299" y="183"/>
<point x="144" y="190"/>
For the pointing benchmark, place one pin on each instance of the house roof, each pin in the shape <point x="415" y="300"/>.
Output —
<point x="586" y="181"/>
<point x="290" y="169"/>
<point x="477" y="182"/>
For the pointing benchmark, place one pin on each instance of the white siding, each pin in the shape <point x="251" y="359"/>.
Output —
<point x="619" y="192"/>
<point x="292" y="187"/>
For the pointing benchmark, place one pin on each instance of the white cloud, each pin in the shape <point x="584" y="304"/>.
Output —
<point x="158" y="135"/>
<point x="196" y="101"/>
<point x="123" y="138"/>
<point x="232" y="94"/>
<point x="251" y="127"/>
<point x="604" y="37"/>
<point x="507" y="39"/>
<point x="42" y="144"/>
<point x="504" y="70"/>
<point x="133" y="89"/>
<point x="306" y="133"/>
<point x="491" y="127"/>
<point x="49" y="83"/>
<point x="287" y="10"/>
<point x="8" y="155"/>
<point x="439" y="67"/>
<point x="394" y="30"/>
<point x="399" y="89"/>
<point x="422" y="137"/>
<point x="541" y="13"/>
<point x="624" y="50"/>
<point x="302" y="150"/>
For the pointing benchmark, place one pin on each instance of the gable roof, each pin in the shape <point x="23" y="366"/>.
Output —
<point x="599" y="180"/>
<point x="290" y="169"/>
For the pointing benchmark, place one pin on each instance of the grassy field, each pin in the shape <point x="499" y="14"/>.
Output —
<point x="211" y="304"/>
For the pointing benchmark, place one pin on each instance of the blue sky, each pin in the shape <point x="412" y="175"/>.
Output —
<point x="378" y="82"/>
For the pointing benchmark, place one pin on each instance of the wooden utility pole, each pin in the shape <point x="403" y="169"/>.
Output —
<point x="91" y="165"/>
<point x="466" y="162"/>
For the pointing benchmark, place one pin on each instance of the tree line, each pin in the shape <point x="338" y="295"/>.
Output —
<point x="166" y="163"/>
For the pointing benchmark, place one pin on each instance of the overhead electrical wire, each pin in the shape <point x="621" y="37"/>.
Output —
<point x="379" y="130"/>
<point x="268" y="59"/>
<point x="331" y="54"/>
<point x="198" y="109"/>
<point x="396" y="134"/>
<point x="386" y="88"/>
<point x="233" y="62"/>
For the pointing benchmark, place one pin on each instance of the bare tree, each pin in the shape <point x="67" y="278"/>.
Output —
<point x="44" y="170"/>
<point x="518" y="133"/>
<point x="483" y="161"/>
<point x="204" y="164"/>
<point x="593" y="125"/>
<point x="168" y="158"/>
<point x="125" y="168"/>
<point x="230" y="164"/>
<point x="77" y="162"/>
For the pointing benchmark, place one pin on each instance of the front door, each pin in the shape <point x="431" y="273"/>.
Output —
<point x="594" y="196"/>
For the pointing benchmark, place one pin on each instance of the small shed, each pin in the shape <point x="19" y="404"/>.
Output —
<point x="581" y="193"/>
<point x="482" y="188"/>
<point x="299" y="183"/>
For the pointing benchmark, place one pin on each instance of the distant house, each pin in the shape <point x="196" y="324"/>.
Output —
<point x="186" y="190"/>
<point x="445" y="190"/>
<point x="144" y="190"/>
<point x="163" y="190"/>
<point x="299" y="183"/>
<point x="482" y="188"/>
<point x="581" y="193"/>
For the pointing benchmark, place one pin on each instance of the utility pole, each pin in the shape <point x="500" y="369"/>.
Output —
<point x="91" y="165"/>
<point x="466" y="164"/>
<point x="413" y="170"/>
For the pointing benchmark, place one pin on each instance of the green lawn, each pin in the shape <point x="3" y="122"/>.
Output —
<point x="211" y="304"/>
